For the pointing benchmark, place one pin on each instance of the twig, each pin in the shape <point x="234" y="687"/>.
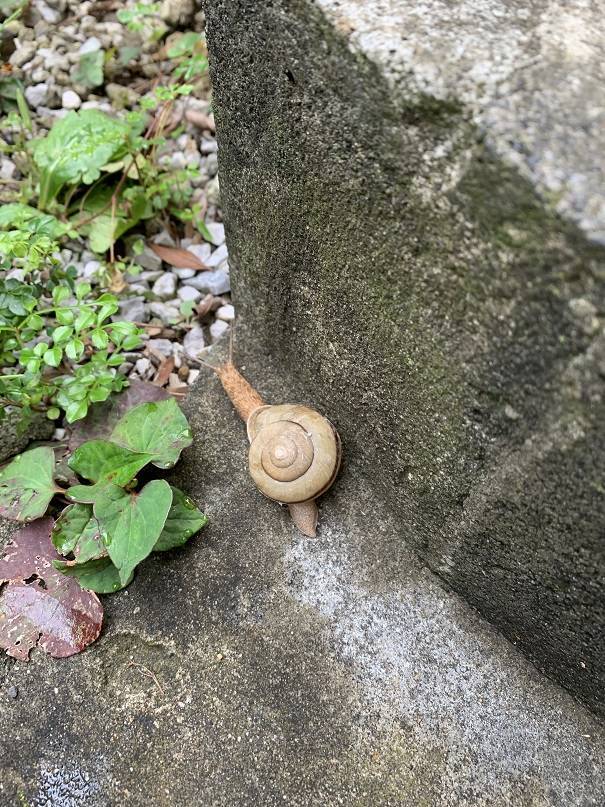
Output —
<point x="148" y="673"/>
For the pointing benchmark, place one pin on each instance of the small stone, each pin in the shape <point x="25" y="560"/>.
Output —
<point x="148" y="259"/>
<point x="217" y="231"/>
<point x="165" y="286"/>
<point x="164" y="239"/>
<point x="184" y="274"/>
<point x="90" y="270"/>
<point x="24" y="52"/>
<point x="226" y="312"/>
<point x="174" y="380"/>
<point x="36" y="95"/>
<point x="70" y="100"/>
<point x="163" y="346"/>
<point x="91" y="44"/>
<point x="189" y="293"/>
<point x="12" y="692"/>
<point x="143" y="367"/>
<point x="177" y="12"/>
<point x="125" y="367"/>
<point x="183" y="372"/>
<point x="150" y="274"/>
<point x="215" y="283"/>
<point x="133" y="309"/>
<point x="7" y="168"/>
<point x="48" y="14"/>
<point x="218" y="328"/>
<point x="167" y="313"/>
<point x="59" y="434"/>
<point x="213" y="192"/>
<point x="193" y="376"/>
<point x="121" y="96"/>
<point x="201" y="251"/>
<point x="212" y="164"/>
<point x="218" y="256"/>
<point x="194" y="342"/>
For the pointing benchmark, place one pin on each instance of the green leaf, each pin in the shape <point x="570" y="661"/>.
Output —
<point x="86" y="494"/>
<point x="96" y="575"/>
<point x="132" y="522"/>
<point x="99" y="338"/>
<point x="76" y="410"/>
<point x="52" y="356"/>
<point x="60" y="293"/>
<point x="75" y="150"/>
<point x="99" y="460"/>
<point x="77" y="530"/>
<point x="183" y="521"/>
<point x="74" y="349"/>
<point x="158" y="428"/>
<point x="89" y="71"/>
<point x="27" y="484"/>
<point x="16" y="216"/>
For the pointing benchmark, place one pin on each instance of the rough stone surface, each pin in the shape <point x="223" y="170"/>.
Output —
<point x="334" y="671"/>
<point x="416" y="272"/>
<point x="14" y="440"/>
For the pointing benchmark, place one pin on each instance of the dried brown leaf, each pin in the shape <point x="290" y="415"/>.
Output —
<point x="164" y="371"/>
<point x="200" y="120"/>
<point x="178" y="257"/>
<point x="39" y="606"/>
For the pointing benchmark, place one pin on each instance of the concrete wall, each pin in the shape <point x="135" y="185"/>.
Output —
<point x="439" y="298"/>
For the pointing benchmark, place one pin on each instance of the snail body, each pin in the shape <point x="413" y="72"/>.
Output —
<point x="294" y="453"/>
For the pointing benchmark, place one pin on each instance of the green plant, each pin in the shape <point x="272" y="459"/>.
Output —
<point x="111" y="526"/>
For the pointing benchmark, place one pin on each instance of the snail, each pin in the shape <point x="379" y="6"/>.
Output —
<point x="294" y="451"/>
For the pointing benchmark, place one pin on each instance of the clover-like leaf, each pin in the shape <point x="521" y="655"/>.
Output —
<point x="157" y="428"/>
<point x="132" y="522"/>
<point x="183" y="521"/>
<point x="99" y="460"/>
<point x="98" y="575"/>
<point x="77" y="531"/>
<point x="27" y="484"/>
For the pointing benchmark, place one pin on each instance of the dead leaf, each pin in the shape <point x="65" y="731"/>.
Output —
<point x="99" y="422"/>
<point x="39" y="606"/>
<point x="200" y="120"/>
<point x="178" y="257"/>
<point x="164" y="370"/>
<point x="208" y="304"/>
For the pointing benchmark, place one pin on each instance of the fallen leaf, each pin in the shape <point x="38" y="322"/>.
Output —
<point x="178" y="257"/>
<point x="102" y="417"/>
<point x="38" y="605"/>
<point x="27" y="484"/>
<point x="207" y="304"/>
<point x="200" y="120"/>
<point x="164" y="370"/>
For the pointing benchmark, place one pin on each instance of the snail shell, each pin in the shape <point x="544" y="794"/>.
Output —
<point x="294" y="452"/>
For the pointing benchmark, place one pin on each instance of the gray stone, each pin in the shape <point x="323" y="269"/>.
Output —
<point x="189" y="293"/>
<point x="48" y="14"/>
<point x="216" y="282"/>
<point x="202" y="251"/>
<point x="410" y="253"/>
<point x="218" y="328"/>
<point x="133" y="309"/>
<point x="165" y="286"/>
<point x="12" y="693"/>
<point x="23" y="53"/>
<point x="143" y="367"/>
<point x="297" y="672"/>
<point x="184" y="274"/>
<point x="148" y="259"/>
<point x="90" y="270"/>
<point x="217" y="231"/>
<point x="194" y="342"/>
<point x="163" y="346"/>
<point x="169" y="314"/>
<point x="36" y="94"/>
<point x="218" y="256"/>
<point x="177" y="12"/>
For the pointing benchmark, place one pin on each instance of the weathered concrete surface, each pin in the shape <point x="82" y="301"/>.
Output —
<point x="328" y="672"/>
<point x="413" y="199"/>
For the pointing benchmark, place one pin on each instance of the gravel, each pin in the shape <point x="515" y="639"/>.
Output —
<point x="49" y="43"/>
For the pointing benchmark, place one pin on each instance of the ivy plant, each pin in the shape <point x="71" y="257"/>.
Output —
<point x="113" y="523"/>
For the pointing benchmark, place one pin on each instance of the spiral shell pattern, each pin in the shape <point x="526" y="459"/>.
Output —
<point x="294" y="452"/>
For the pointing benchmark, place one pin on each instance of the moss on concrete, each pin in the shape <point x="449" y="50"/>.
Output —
<point x="419" y="289"/>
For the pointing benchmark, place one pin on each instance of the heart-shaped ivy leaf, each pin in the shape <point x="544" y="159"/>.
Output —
<point x="132" y="522"/>
<point x="158" y="428"/>
<point x="86" y="494"/>
<point x="99" y="460"/>
<point x="98" y="575"/>
<point x="77" y="531"/>
<point x="183" y="521"/>
<point x="27" y="485"/>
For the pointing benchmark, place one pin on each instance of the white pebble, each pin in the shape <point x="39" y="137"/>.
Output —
<point x="70" y="100"/>
<point x="217" y="329"/>
<point x="226" y="312"/>
<point x="189" y="293"/>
